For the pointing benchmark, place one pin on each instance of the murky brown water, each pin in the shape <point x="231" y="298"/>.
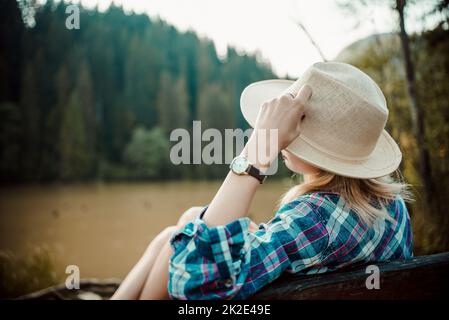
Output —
<point x="104" y="228"/>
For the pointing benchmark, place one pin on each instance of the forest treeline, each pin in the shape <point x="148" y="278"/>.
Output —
<point x="100" y="102"/>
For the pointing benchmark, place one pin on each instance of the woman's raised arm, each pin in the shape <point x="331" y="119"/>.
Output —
<point x="235" y="195"/>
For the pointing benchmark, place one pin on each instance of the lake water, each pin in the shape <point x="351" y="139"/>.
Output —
<point x="104" y="228"/>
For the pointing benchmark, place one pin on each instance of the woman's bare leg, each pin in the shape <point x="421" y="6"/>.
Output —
<point x="132" y="285"/>
<point x="155" y="287"/>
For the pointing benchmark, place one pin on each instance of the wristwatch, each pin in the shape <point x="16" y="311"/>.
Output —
<point x="241" y="166"/>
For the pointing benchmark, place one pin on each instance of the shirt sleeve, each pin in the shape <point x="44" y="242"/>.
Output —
<point x="228" y="261"/>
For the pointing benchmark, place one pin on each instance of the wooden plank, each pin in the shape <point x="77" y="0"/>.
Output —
<point x="90" y="289"/>
<point x="423" y="277"/>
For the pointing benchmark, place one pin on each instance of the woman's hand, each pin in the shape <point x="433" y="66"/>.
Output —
<point x="285" y="115"/>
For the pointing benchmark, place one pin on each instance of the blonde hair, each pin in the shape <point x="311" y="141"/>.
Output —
<point x="359" y="194"/>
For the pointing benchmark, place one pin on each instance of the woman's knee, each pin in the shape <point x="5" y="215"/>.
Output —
<point x="168" y="232"/>
<point x="188" y="216"/>
<point x="165" y="234"/>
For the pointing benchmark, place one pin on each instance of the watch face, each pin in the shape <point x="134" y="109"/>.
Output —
<point x="240" y="165"/>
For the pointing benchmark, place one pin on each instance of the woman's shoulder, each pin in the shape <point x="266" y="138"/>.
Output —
<point x="316" y="199"/>
<point x="318" y="203"/>
<point x="332" y="206"/>
<point x="397" y="208"/>
<point x="332" y="200"/>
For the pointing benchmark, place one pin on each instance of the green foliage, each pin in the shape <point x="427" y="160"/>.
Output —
<point x="215" y="108"/>
<point x="20" y="275"/>
<point x="77" y="135"/>
<point x="10" y="132"/>
<point x="75" y="159"/>
<point x="147" y="153"/>
<point x="172" y="103"/>
<point x="81" y="94"/>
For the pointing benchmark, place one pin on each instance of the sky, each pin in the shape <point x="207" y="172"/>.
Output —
<point x="268" y="26"/>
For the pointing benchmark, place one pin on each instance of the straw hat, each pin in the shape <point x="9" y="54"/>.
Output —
<point x="343" y="131"/>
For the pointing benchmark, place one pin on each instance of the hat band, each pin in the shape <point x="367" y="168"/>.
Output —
<point x="333" y="154"/>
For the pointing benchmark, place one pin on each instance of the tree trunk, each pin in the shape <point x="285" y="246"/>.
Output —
<point x="415" y="109"/>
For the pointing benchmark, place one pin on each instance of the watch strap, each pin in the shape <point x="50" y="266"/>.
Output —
<point x="254" y="172"/>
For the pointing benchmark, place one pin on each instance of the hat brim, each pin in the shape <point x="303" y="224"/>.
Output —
<point x="384" y="159"/>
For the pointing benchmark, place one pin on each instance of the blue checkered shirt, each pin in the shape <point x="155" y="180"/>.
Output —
<point x="315" y="233"/>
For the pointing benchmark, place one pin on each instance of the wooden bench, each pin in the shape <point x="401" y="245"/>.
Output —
<point x="423" y="277"/>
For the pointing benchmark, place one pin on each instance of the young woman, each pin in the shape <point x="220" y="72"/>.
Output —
<point x="330" y="129"/>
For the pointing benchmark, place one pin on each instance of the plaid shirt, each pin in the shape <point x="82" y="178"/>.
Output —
<point x="315" y="233"/>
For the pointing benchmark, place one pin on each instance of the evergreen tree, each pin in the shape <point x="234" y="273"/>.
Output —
<point x="11" y="33"/>
<point x="172" y="103"/>
<point x="77" y="137"/>
<point x="216" y="108"/>
<point x="32" y="119"/>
